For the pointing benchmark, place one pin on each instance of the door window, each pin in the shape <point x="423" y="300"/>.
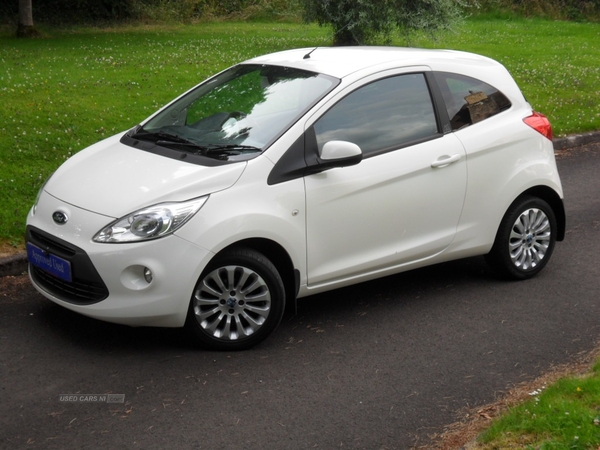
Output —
<point x="469" y="100"/>
<point x="381" y="116"/>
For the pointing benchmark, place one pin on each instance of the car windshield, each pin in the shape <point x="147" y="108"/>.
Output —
<point x="238" y="113"/>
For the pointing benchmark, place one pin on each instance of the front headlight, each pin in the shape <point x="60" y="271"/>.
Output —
<point x="39" y="194"/>
<point x="150" y="223"/>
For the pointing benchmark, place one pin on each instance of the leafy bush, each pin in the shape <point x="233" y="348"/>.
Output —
<point x="357" y="19"/>
<point x="65" y="11"/>
<point x="82" y="12"/>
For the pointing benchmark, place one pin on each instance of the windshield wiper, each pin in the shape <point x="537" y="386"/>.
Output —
<point x="231" y="147"/>
<point x="165" y="138"/>
<point x="170" y="137"/>
<point x="182" y="143"/>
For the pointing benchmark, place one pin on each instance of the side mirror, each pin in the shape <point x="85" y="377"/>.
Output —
<point x="340" y="154"/>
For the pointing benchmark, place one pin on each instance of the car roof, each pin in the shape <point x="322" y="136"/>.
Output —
<point x="341" y="62"/>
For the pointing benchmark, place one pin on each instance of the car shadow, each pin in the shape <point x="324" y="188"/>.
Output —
<point x="393" y="293"/>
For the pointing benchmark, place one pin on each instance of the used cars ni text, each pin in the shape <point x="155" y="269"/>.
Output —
<point x="296" y="173"/>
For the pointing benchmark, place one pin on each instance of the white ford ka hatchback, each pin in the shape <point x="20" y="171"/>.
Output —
<point x="296" y="173"/>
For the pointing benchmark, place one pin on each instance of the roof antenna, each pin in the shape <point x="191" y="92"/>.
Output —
<point x="307" y="56"/>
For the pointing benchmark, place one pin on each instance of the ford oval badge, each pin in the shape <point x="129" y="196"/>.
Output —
<point x="60" y="217"/>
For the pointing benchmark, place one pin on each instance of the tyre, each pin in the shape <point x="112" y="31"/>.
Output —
<point x="525" y="239"/>
<point x="238" y="301"/>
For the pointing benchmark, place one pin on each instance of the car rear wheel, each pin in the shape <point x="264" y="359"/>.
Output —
<point x="525" y="239"/>
<point x="238" y="301"/>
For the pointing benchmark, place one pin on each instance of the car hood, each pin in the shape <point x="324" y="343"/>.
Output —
<point x="114" y="179"/>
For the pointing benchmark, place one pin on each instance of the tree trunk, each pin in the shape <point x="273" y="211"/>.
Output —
<point x="26" y="28"/>
<point x="345" y="38"/>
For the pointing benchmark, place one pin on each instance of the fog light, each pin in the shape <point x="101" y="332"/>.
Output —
<point x="147" y="275"/>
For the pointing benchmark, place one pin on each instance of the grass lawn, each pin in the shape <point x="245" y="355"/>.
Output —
<point x="564" y="415"/>
<point x="74" y="87"/>
<point x="559" y="410"/>
<point x="556" y="64"/>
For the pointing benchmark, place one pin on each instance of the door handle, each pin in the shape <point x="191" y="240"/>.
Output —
<point x="446" y="160"/>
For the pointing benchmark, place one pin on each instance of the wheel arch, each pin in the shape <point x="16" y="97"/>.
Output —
<point x="280" y="259"/>
<point x="550" y="196"/>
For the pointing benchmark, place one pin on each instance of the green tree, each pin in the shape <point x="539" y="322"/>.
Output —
<point x="356" y="22"/>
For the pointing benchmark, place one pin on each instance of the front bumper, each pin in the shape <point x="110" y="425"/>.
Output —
<point x="108" y="280"/>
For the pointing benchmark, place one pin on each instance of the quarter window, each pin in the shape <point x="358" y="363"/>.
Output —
<point x="469" y="100"/>
<point x="383" y="115"/>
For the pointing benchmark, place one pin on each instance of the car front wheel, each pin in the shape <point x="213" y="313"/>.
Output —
<point x="525" y="239"/>
<point x="238" y="301"/>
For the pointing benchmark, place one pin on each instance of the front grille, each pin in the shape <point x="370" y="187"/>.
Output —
<point x="86" y="288"/>
<point x="78" y="291"/>
<point x="54" y="245"/>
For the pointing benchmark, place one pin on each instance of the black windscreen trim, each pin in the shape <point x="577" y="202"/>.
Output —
<point x="291" y="165"/>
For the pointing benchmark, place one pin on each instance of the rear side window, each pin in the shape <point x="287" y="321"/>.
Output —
<point x="469" y="100"/>
<point x="383" y="115"/>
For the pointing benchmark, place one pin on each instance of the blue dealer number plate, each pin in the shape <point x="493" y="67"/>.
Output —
<point x="60" y="268"/>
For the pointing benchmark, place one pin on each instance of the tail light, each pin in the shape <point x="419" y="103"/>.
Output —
<point x="539" y="123"/>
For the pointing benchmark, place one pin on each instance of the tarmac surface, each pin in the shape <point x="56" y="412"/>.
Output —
<point x="380" y="365"/>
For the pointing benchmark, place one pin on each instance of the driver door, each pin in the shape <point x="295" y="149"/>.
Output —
<point x="402" y="203"/>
